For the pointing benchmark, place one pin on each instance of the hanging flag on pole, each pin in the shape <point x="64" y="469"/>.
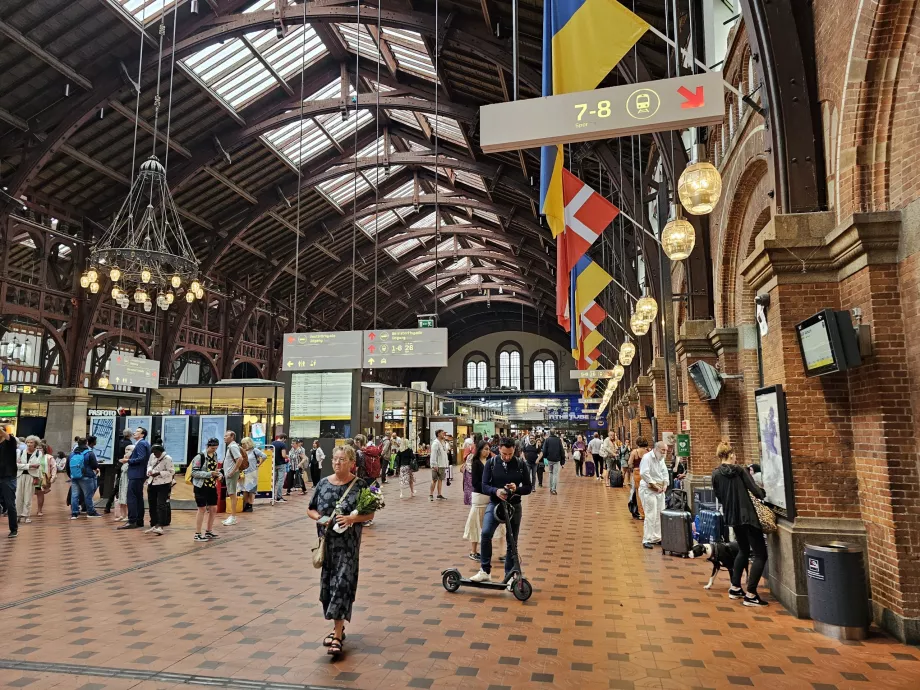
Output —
<point x="587" y="215"/>
<point x="583" y="40"/>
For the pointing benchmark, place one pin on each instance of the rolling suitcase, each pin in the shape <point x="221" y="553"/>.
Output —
<point x="712" y="527"/>
<point x="616" y="479"/>
<point x="702" y="496"/>
<point x="675" y="533"/>
<point x="589" y="468"/>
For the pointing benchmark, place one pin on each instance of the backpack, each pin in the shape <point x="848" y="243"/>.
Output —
<point x="77" y="460"/>
<point x="372" y="461"/>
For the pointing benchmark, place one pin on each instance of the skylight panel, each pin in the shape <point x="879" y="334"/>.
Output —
<point x="146" y="10"/>
<point x="410" y="52"/>
<point x="300" y="48"/>
<point x="426" y="222"/>
<point x="377" y="222"/>
<point x="416" y="271"/>
<point x="357" y="37"/>
<point x="446" y="128"/>
<point x="287" y="140"/>
<point x="398" y="250"/>
<point x="487" y="215"/>
<point x="470" y="179"/>
<point x="405" y="117"/>
<point x="343" y="189"/>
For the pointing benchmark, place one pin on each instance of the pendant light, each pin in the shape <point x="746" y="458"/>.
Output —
<point x="700" y="185"/>
<point x="627" y="352"/>
<point x="678" y="238"/>
<point x="647" y="307"/>
<point x="103" y="381"/>
<point x="638" y="325"/>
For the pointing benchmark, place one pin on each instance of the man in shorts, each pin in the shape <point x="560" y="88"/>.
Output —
<point x="440" y="461"/>
<point x="204" y="478"/>
<point x="231" y="469"/>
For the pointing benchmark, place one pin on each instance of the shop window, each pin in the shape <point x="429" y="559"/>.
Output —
<point x="544" y="374"/>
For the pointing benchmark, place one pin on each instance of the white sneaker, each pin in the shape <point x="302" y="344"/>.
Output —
<point x="149" y="530"/>
<point x="481" y="576"/>
<point x="229" y="521"/>
<point x="158" y="530"/>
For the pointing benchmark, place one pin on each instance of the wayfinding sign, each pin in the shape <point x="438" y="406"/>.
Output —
<point x="406" y="347"/>
<point x="591" y="374"/>
<point x="321" y="351"/>
<point x="616" y="111"/>
<point x="127" y="370"/>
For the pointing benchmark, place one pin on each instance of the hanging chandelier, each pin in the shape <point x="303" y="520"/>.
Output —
<point x="647" y="307"/>
<point x="627" y="352"/>
<point x="678" y="238"/>
<point x="639" y="325"/>
<point x="700" y="185"/>
<point x="145" y="252"/>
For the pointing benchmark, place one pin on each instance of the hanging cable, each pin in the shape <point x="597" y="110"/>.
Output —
<point x="172" y="70"/>
<point x="354" y="199"/>
<point x="137" y="104"/>
<point x="303" y="69"/>
<point x="437" y="181"/>
<point x="156" y="97"/>
<point x="377" y="164"/>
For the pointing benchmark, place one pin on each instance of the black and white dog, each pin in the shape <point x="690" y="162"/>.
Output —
<point x="721" y="555"/>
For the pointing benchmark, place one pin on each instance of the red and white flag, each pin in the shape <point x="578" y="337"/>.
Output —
<point x="587" y="214"/>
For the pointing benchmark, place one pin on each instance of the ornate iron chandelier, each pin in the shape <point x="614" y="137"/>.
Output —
<point x="145" y="252"/>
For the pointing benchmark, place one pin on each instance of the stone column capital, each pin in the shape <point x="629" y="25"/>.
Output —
<point x="693" y="339"/>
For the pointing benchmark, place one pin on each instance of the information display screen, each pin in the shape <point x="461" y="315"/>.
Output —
<point x="127" y="370"/>
<point x="321" y="351"/>
<point x="320" y="396"/>
<point x="820" y="344"/>
<point x="405" y="348"/>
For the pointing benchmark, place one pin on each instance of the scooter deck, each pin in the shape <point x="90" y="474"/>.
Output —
<point x="484" y="585"/>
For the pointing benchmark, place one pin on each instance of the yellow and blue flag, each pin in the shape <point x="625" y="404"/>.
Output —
<point x="588" y="281"/>
<point x="582" y="41"/>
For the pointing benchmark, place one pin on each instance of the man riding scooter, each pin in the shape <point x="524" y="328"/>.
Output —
<point x="505" y="478"/>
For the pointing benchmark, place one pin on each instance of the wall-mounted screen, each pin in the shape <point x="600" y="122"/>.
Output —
<point x="706" y="379"/>
<point x="828" y="343"/>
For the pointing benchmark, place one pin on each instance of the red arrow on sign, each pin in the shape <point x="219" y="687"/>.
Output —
<point x="371" y="349"/>
<point x="693" y="99"/>
<point x="290" y="339"/>
<point x="371" y="336"/>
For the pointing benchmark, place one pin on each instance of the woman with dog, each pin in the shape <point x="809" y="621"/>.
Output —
<point x="733" y="486"/>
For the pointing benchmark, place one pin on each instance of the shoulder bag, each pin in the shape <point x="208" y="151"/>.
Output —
<point x="766" y="516"/>
<point x="319" y="551"/>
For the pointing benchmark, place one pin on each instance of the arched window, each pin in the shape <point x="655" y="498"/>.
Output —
<point x="509" y="366"/>
<point x="544" y="374"/>
<point x="476" y="372"/>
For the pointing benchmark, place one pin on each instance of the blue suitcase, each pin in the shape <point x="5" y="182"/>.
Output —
<point x="712" y="527"/>
<point x="589" y="468"/>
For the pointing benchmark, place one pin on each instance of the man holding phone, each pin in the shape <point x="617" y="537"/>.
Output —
<point x="505" y="478"/>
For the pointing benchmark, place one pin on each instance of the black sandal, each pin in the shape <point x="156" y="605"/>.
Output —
<point x="335" y="647"/>
<point x="327" y="641"/>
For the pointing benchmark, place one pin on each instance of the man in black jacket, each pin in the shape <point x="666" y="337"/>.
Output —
<point x="505" y="478"/>
<point x="554" y="453"/>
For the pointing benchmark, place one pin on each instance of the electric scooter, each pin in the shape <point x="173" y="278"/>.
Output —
<point x="514" y="581"/>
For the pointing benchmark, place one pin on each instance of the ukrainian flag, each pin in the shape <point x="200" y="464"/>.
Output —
<point x="582" y="41"/>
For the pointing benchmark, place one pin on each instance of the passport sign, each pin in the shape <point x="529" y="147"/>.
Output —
<point x="321" y="351"/>
<point x="127" y="370"/>
<point x="406" y="347"/>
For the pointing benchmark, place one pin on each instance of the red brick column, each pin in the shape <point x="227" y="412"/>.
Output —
<point x="667" y="421"/>
<point x="694" y="345"/>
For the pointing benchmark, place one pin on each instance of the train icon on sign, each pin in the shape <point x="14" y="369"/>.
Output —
<point x="643" y="103"/>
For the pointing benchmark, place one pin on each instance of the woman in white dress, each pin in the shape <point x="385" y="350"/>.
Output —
<point x="28" y="470"/>
<point x="479" y="502"/>
<point x="250" y="482"/>
<point x="121" y="498"/>
<point x="405" y="462"/>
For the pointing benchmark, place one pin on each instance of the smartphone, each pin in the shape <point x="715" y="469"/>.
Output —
<point x="324" y="520"/>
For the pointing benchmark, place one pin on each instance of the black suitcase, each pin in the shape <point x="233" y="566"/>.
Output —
<point x="676" y="537"/>
<point x="616" y="479"/>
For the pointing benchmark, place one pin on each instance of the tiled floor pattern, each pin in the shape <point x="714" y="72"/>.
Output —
<point x="605" y="612"/>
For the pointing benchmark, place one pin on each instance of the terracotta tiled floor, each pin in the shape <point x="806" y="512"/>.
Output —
<point x="87" y="607"/>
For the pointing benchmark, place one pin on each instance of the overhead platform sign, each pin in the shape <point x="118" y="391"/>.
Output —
<point x="405" y="348"/>
<point x="321" y="351"/>
<point x="591" y="374"/>
<point x="127" y="370"/>
<point x="616" y="111"/>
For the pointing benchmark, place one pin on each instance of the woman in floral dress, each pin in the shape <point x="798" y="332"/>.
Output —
<point x="336" y="496"/>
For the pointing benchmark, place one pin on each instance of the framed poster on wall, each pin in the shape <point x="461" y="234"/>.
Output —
<point x="103" y="428"/>
<point x="212" y="426"/>
<point x="775" y="459"/>
<point x="144" y="421"/>
<point x="175" y="438"/>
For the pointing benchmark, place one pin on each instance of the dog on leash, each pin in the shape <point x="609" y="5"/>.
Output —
<point x="721" y="555"/>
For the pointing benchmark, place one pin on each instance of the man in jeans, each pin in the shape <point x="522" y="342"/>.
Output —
<point x="505" y="478"/>
<point x="554" y="453"/>
<point x="83" y="467"/>
<point x="280" y="458"/>
<point x="440" y="461"/>
<point x="8" y="450"/>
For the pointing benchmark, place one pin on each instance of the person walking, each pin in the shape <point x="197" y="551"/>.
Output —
<point x="335" y="498"/>
<point x="47" y="474"/>
<point x="532" y="457"/>
<point x="554" y="453"/>
<point x="28" y="470"/>
<point x="439" y="464"/>
<point x="406" y="466"/>
<point x="280" y="460"/>
<point x="635" y="459"/>
<point x="160" y="474"/>
<point x="652" y="486"/>
<point x="594" y="452"/>
<point x="297" y="457"/>
<point x="579" y="448"/>
<point x="505" y="478"/>
<point x="137" y="475"/>
<point x="609" y="455"/>
<point x="204" y="480"/>
<point x="82" y="467"/>
<point x="541" y="461"/>
<point x="8" y="471"/>
<point x="250" y="483"/>
<point x="733" y="486"/>
<point x="316" y="462"/>
<point x="472" y="531"/>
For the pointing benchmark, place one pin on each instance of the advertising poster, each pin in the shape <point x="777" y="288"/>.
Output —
<point x="212" y="426"/>
<point x="257" y="434"/>
<point x="775" y="463"/>
<point x="103" y="428"/>
<point x="175" y="438"/>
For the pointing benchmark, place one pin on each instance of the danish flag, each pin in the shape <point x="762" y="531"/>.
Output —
<point x="587" y="214"/>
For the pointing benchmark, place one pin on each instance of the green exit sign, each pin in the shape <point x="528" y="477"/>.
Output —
<point x="426" y="323"/>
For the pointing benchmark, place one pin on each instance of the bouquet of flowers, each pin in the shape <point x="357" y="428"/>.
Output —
<point x="370" y="500"/>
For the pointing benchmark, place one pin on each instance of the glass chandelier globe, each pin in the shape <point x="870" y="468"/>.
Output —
<point x="148" y="305"/>
<point x="84" y="281"/>
<point x="199" y="293"/>
<point x="189" y="296"/>
<point x="115" y="274"/>
<point x="627" y="352"/>
<point x="678" y="239"/>
<point x="145" y="275"/>
<point x="94" y="287"/>
<point x="638" y="325"/>
<point x="195" y="286"/>
<point x="170" y="297"/>
<point x="116" y="293"/>
<point x="618" y="371"/>
<point x="92" y="275"/>
<point x="647" y="308"/>
<point x="103" y="381"/>
<point x="699" y="188"/>
<point x="175" y="281"/>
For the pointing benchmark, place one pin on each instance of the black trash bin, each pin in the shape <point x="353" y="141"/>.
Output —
<point x="838" y="598"/>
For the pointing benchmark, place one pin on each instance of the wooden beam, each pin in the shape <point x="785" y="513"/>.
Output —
<point x="46" y="57"/>
<point x="285" y="223"/>
<point x="17" y="122"/>
<point x="385" y="52"/>
<point x="69" y="150"/>
<point x="230" y="184"/>
<point x="123" y="110"/>
<point x="267" y="65"/>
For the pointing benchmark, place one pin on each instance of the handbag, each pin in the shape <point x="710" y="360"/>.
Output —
<point x="319" y="550"/>
<point x="766" y="516"/>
